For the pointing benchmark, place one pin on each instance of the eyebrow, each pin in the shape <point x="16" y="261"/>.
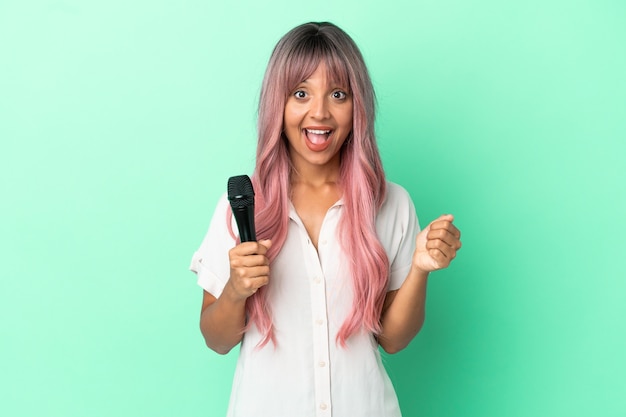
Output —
<point x="333" y="84"/>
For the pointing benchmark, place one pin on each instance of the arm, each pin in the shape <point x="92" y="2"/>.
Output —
<point x="223" y="319"/>
<point x="404" y="312"/>
<point x="404" y="309"/>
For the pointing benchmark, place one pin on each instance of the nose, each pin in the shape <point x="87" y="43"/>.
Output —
<point x="319" y="108"/>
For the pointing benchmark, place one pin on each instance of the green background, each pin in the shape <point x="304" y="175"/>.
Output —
<point x="120" y="122"/>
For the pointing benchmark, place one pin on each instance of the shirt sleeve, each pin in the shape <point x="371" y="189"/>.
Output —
<point x="397" y="226"/>
<point x="210" y="262"/>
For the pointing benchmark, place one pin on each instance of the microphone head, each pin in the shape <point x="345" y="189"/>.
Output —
<point x="240" y="192"/>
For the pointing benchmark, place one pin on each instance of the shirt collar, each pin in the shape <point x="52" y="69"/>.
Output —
<point x="293" y="215"/>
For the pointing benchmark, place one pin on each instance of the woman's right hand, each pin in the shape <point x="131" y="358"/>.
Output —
<point x="249" y="268"/>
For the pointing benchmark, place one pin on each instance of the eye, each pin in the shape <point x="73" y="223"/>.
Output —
<point x="339" y="95"/>
<point x="299" y="94"/>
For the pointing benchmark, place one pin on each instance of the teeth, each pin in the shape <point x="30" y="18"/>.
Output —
<point x="318" y="132"/>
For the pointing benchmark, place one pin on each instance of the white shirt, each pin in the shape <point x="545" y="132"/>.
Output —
<point x="310" y="294"/>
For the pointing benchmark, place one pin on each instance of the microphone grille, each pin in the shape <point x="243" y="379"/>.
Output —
<point x="240" y="191"/>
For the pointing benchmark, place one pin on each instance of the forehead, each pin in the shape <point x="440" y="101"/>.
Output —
<point x="323" y="73"/>
<point x="303" y="67"/>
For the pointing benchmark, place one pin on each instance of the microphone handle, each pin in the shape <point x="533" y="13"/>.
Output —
<point x="245" y="223"/>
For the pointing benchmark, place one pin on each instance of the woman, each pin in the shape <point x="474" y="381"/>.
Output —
<point x="339" y="267"/>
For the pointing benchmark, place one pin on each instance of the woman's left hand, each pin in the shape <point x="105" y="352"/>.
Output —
<point x="436" y="246"/>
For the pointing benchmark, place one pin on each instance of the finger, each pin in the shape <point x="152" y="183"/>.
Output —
<point x="438" y="245"/>
<point x="257" y="272"/>
<point x="447" y="225"/>
<point x="446" y="236"/>
<point x="446" y="217"/>
<point x="250" y="248"/>
<point x="249" y="286"/>
<point x="441" y="260"/>
<point x="443" y="221"/>
<point x="261" y="247"/>
<point x="242" y="273"/>
<point x="259" y="282"/>
<point x="249" y="261"/>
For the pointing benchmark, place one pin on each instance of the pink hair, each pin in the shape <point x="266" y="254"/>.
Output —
<point x="363" y="185"/>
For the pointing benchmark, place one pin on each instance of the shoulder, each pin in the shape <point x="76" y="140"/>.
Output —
<point x="397" y="209"/>
<point x="396" y="190"/>
<point x="397" y="225"/>
<point x="397" y="199"/>
<point x="222" y="203"/>
<point x="222" y="221"/>
<point x="221" y="208"/>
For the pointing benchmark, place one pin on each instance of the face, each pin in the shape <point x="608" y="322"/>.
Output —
<point x="317" y="121"/>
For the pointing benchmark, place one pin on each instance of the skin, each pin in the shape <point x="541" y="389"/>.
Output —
<point x="319" y="103"/>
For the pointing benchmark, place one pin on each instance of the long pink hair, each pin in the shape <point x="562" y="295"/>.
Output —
<point x="295" y="57"/>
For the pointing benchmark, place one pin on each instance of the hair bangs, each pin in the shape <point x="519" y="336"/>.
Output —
<point x="308" y="56"/>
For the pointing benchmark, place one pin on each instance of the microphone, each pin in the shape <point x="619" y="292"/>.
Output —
<point x="241" y="197"/>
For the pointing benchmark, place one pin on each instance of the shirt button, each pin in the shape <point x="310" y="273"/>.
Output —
<point x="319" y="322"/>
<point x="323" y="406"/>
<point x="322" y="364"/>
<point x="323" y="242"/>
<point x="317" y="280"/>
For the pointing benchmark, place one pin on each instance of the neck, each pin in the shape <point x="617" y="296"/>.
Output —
<point x="316" y="175"/>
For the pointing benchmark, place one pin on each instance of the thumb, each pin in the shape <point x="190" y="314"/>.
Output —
<point x="448" y="217"/>
<point x="266" y="242"/>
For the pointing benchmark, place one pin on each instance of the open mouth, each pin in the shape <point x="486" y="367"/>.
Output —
<point x="317" y="136"/>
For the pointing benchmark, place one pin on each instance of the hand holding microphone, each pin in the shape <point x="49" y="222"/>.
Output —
<point x="249" y="265"/>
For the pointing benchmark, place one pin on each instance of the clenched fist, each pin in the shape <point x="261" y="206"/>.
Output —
<point x="437" y="244"/>
<point x="249" y="267"/>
